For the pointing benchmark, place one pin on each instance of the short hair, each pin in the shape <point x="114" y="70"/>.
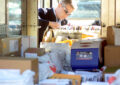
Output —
<point x="67" y="2"/>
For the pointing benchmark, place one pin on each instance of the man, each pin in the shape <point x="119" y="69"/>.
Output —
<point x="53" y="17"/>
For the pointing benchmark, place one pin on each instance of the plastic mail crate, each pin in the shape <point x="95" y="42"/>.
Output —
<point x="86" y="55"/>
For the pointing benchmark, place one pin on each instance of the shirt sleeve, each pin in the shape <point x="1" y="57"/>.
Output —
<point x="41" y="18"/>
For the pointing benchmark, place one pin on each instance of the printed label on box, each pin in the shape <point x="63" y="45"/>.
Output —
<point x="25" y="44"/>
<point x="33" y="42"/>
<point x="13" y="45"/>
<point x="117" y="36"/>
<point x="31" y="55"/>
<point x="4" y="45"/>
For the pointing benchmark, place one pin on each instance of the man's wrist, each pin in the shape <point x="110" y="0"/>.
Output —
<point x="49" y="23"/>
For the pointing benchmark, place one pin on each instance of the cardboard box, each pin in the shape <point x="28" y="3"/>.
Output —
<point x="74" y="78"/>
<point x="110" y="36"/>
<point x="20" y="63"/>
<point x="10" y="46"/>
<point x="113" y="34"/>
<point x="34" y="52"/>
<point x="28" y="42"/>
<point x="112" y="56"/>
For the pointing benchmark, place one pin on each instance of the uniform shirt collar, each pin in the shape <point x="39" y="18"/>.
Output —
<point x="57" y="20"/>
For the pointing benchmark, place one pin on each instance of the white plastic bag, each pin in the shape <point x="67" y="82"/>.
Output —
<point x="55" y="58"/>
<point x="46" y="67"/>
<point x="46" y="70"/>
<point x="61" y="47"/>
<point x="115" y="79"/>
<point x="44" y="59"/>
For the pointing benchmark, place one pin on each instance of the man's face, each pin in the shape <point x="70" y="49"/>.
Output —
<point x="64" y="11"/>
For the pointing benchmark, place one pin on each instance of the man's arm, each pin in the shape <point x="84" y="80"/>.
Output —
<point x="41" y="18"/>
<point x="44" y="23"/>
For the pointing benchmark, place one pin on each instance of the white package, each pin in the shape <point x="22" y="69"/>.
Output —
<point x="55" y="82"/>
<point x="95" y="83"/>
<point x="13" y="77"/>
<point x="9" y="73"/>
<point x="90" y="76"/>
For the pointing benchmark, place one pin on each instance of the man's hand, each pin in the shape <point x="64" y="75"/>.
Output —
<point x="54" y="24"/>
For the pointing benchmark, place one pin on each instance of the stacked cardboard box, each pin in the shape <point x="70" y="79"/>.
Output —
<point x="20" y="63"/>
<point x="34" y="52"/>
<point x="113" y="35"/>
<point x="110" y="36"/>
<point x="112" y="50"/>
<point x="112" y="56"/>
<point x="28" y="42"/>
<point x="10" y="46"/>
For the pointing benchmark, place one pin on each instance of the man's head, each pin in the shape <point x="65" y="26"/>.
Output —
<point x="64" y="9"/>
